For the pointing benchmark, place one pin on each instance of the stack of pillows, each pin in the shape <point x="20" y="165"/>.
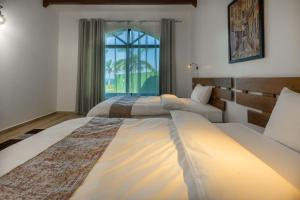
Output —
<point x="201" y="94"/>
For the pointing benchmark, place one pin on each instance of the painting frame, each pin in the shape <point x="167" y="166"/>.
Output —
<point x="261" y="34"/>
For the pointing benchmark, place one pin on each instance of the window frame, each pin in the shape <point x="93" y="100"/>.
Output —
<point x="128" y="46"/>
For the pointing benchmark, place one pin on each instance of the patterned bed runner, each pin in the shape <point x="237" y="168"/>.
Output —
<point x="122" y="107"/>
<point x="57" y="172"/>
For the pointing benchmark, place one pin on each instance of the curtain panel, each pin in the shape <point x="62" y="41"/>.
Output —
<point x="167" y="57"/>
<point x="91" y="71"/>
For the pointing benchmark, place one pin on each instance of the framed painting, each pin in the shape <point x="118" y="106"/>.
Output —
<point x="246" y="30"/>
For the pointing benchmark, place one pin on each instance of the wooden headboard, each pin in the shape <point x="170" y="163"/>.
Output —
<point x="261" y="94"/>
<point x="222" y="90"/>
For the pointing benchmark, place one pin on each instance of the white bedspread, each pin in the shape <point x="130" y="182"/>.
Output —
<point x="281" y="158"/>
<point x="184" y="158"/>
<point x="222" y="168"/>
<point x="152" y="107"/>
<point x="210" y="112"/>
<point x="142" y="162"/>
<point x="144" y="106"/>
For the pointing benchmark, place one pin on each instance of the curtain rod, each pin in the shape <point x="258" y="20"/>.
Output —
<point x="137" y="21"/>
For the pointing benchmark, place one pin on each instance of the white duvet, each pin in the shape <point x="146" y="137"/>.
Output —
<point x="155" y="106"/>
<point x="183" y="158"/>
<point x="222" y="168"/>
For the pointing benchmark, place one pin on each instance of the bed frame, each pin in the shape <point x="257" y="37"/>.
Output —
<point x="261" y="94"/>
<point x="222" y="90"/>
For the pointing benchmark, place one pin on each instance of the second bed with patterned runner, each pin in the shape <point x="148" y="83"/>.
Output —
<point x="122" y="107"/>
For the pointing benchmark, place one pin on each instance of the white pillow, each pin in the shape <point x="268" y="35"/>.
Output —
<point x="284" y="123"/>
<point x="201" y="94"/>
<point x="171" y="102"/>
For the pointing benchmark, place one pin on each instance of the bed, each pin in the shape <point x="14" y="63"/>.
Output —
<point x="185" y="157"/>
<point x="260" y="96"/>
<point x="282" y="159"/>
<point x="149" y="107"/>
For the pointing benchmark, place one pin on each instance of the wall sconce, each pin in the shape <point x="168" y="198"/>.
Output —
<point x="2" y="18"/>
<point x="193" y="65"/>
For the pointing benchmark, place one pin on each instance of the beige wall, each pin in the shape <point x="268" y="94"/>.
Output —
<point x="28" y="62"/>
<point x="282" y="36"/>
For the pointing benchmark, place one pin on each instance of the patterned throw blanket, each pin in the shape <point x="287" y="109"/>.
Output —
<point x="57" y="172"/>
<point x="122" y="107"/>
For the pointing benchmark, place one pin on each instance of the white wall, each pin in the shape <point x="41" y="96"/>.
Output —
<point x="68" y="42"/>
<point x="31" y="83"/>
<point x="28" y="62"/>
<point x="282" y="37"/>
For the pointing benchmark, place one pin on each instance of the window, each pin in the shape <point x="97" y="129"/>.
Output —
<point x="131" y="63"/>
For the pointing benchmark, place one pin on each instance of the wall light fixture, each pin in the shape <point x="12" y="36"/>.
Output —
<point x="193" y="65"/>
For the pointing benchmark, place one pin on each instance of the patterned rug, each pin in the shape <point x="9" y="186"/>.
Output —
<point x="20" y="138"/>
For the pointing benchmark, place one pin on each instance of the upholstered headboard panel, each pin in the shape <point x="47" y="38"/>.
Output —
<point x="222" y="90"/>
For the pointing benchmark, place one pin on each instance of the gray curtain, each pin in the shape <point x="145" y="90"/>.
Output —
<point x="167" y="57"/>
<point x="91" y="72"/>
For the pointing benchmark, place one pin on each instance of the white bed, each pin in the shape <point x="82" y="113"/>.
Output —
<point x="186" y="157"/>
<point x="280" y="157"/>
<point x="149" y="107"/>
